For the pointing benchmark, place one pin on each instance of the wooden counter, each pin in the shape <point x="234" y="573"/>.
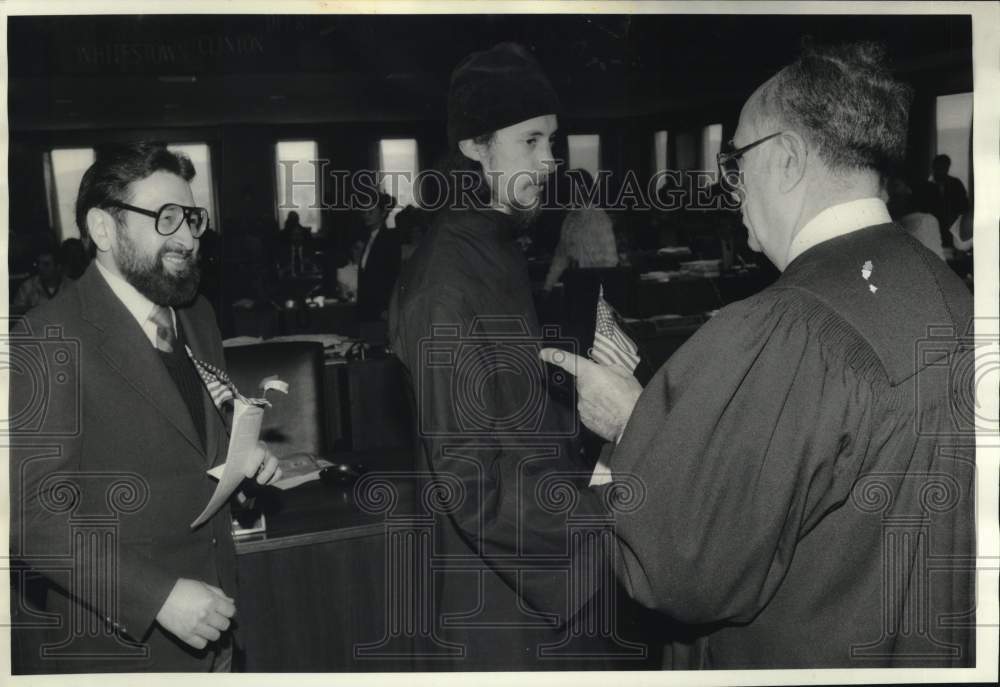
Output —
<point x="312" y="590"/>
<point x="337" y="585"/>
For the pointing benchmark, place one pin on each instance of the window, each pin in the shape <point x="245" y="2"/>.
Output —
<point x="685" y="151"/>
<point x="397" y="164"/>
<point x="954" y="129"/>
<point x="711" y="143"/>
<point x="201" y="185"/>
<point x="64" y="168"/>
<point x="299" y="192"/>
<point x="585" y="152"/>
<point x="659" y="156"/>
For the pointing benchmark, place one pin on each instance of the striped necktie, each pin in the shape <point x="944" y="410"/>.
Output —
<point x="165" y="338"/>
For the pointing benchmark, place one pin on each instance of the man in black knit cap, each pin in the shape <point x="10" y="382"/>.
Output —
<point x="463" y="322"/>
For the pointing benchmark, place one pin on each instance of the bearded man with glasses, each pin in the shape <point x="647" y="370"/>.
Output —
<point x="126" y="433"/>
<point x="805" y="463"/>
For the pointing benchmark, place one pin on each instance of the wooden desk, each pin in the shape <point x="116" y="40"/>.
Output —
<point x="313" y="590"/>
<point x="266" y="320"/>
<point x="332" y="588"/>
<point x="682" y="296"/>
<point x="692" y="295"/>
<point x="332" y="318"/>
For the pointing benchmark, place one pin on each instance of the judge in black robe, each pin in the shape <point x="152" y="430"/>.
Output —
<point x="807" y="457"/>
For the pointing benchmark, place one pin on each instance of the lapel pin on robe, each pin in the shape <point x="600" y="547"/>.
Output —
<point x="866" y="273"/>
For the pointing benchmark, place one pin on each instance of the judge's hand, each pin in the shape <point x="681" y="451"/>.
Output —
<point x="608" y="393"/>
<point x="196" y="613"/>
<point x="263" y="465"/>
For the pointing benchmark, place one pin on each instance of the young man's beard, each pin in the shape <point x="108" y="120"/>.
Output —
<point x="525" y="217"/>
<point x="150" y="277"/>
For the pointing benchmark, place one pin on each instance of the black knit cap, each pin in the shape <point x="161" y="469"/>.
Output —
<point x="496" y="88"/>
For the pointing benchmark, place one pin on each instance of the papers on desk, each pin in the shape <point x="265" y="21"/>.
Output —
<point x="658" y="276"/>
<point x="655" y="319"/>
<point x="326" y="339"/>
<point x="702" y="268"/>
<point x="241" y="341"/>
<point x="299" y="469"/>
<point x="333" y="344"/>
<point x="295" y="470"/>
<point x="674" y="251"/>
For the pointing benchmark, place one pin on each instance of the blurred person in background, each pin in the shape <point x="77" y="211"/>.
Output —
<point x="945" y="197"/>
<point x="75" y="258"/>
<point x="380" y="260"/>
<point x="297" y="237"/>
<point x="43" y="286"/>
<point x="587" y="238"/>
<point x="347" y="276"/>
<point x="922" y="226"/>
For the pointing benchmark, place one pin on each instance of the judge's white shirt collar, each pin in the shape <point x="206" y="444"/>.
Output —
<point x="838" y="220"/>
<point x="137" y="304"/>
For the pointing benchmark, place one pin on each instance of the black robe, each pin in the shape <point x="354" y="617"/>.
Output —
<point x="808" y="465"/>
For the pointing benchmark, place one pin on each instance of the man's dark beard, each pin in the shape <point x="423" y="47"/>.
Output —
<point x="150" y="277"/>
<point x="524" y="217"/>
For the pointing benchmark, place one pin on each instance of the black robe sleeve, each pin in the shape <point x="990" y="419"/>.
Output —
<point x="742" y="441"/>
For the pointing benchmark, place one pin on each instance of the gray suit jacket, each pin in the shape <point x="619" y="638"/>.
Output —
<point x="107" y="473"/>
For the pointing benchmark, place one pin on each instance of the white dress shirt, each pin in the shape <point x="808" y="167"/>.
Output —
<point x="838" y="220"/>
<point x="137" y="304"/>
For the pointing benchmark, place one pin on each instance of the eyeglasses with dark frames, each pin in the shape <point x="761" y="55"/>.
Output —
<point x="729" y="163"/>
<point x="170" y="216"/>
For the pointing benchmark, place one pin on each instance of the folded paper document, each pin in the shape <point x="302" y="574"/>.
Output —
<point x="242" y="460"/>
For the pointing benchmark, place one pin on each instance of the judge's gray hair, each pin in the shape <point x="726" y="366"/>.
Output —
<point x="845" y="102"/>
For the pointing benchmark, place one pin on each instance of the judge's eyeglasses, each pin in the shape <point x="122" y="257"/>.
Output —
<point x="169" y="217"/>
<point x="729" y="163"/>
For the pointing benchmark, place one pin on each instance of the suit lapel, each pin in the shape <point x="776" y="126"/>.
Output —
<point x="200" y="347"/>
<point x="372" y="260"/>
<point x="128" y="351"/>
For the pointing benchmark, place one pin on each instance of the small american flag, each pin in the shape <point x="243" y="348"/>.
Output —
<point x="220" y="386"/>
<point x="612" y="346"/>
